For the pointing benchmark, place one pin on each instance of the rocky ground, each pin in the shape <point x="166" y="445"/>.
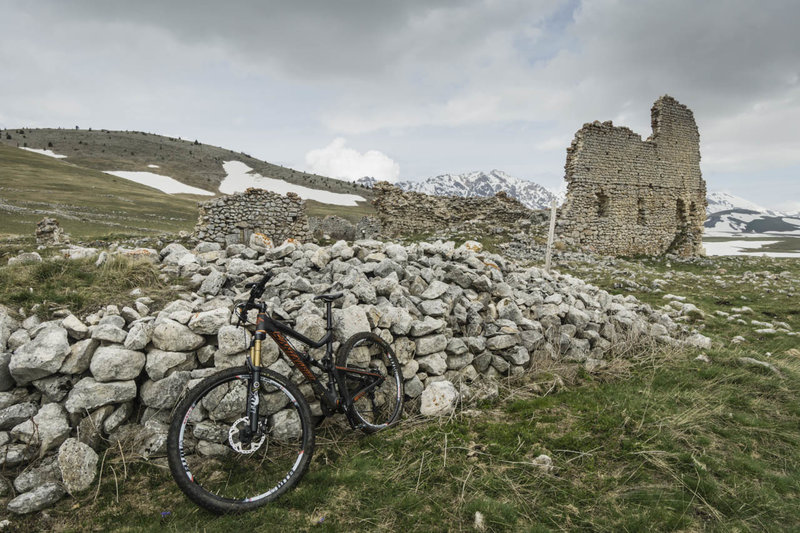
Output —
<point x="459" y="319"/>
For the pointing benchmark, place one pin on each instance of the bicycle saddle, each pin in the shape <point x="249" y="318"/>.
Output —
<point x="329" y="297"/>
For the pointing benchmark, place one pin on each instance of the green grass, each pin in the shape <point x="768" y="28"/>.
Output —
<point x="662" y="443"/>
<point x="655" y="442"/>
<point x="351" y="213"/>
<point x="78" y="285"/>
<point x="188" y="161"/>
<point x="718" y="284"/>
<point x="88" y="203"/>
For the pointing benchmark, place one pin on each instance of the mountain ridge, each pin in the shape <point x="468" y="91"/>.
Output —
<point x="479" y="184"/>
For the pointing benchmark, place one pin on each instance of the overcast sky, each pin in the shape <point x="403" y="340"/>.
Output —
<point x="411" y="89"/>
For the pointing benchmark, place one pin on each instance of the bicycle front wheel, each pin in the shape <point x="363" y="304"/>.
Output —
<point x="369" y="374"/>
<point x="215" y="461"/>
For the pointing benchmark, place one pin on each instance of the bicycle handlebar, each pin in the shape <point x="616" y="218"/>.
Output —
<point x="256" y="290"/>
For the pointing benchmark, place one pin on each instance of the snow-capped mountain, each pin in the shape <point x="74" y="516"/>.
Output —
<point x="479" y="184"/>
<point x="746" y="221"/>
<point x="723" y="201"/>
<point x="535" y="196"/>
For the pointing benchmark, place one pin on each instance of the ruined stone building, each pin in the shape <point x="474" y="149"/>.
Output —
<point x="232" y="219"/>
<point x="627" y="196"/>
<point x="408" y="212"/>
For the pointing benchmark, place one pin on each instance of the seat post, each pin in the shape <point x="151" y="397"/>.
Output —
<point x="328" y="316"/>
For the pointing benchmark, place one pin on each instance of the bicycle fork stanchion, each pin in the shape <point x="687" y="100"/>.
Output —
<point x="255" y="384"/>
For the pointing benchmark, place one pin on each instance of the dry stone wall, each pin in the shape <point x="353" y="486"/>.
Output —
<point x="457" y="318"/>
<point x="627" y="196"/>
<point x="405" y="212"/>
<point x="232" y="219"/>
<point x="337" y="228"/>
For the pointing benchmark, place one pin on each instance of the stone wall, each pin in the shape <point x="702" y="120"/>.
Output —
<point x="626" y="196"/>
<point x="456" y="317"/>
<point x="405" y="212"/>
<point x="233" y="218"/>
<point x="332" y="227"/>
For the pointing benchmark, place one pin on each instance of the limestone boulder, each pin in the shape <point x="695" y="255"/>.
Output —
<point x="349" y="321"/>
<point x="115" y="363"/>
<point x="89" y="394"/>
<point x="41" y="357"/>
<point x="439" y="399"/>
<point x="210" y="322"/>
<point x="78" y="464"/>
<point x="80" y="357"/>
<point x="172" y="336"/>
<point x="16" y="414"/>
<point x="139" y="334"/>
<point x="164" y="393"/>
<point x="41" y="497"/>
<point x="213" y="283"/>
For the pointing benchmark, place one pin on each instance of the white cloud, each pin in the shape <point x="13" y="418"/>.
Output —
<point x="337" y="161"/>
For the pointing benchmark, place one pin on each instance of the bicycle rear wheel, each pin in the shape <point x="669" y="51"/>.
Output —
<point x="370" y="375"/>
<point x="212" y="460"/>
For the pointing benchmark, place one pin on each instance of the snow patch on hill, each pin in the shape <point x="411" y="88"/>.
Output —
<point x="744" y="247"/>
<point x="157" y="181"/>
<point x="240" y="177"/>
<point x="48" y="153"/>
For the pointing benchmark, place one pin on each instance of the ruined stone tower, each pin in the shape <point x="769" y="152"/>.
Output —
<point x="626" y="196"/>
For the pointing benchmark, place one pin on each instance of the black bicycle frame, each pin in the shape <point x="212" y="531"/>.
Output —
<point x="278" y="331"/>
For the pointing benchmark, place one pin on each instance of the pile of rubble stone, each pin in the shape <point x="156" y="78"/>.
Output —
<point x="455" y="316"/>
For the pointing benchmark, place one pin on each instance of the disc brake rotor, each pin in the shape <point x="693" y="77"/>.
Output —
<point x="236" y="444"/>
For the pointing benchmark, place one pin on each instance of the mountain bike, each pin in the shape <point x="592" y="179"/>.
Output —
<point x="244" y="436"/>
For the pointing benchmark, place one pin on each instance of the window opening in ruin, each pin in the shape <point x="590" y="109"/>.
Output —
<point x="692" y="210"/>
<point x="602" y="204"/>
<point x="641" y="219"/>
<point x="680" y="212"/>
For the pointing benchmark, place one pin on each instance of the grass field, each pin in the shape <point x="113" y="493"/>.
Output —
<point x="656" y="442"/>
<point x="90" y="204"/>
<point x="190" y="162"/>
<point x="87" y="203"/>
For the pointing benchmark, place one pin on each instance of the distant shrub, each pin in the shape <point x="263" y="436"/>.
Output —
<point x="49" y="144"/>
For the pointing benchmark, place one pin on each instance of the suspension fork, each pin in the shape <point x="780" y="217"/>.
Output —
<point x="254" y="386"/>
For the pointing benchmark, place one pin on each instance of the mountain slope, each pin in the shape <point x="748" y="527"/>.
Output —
<point x="480" y="184"/>
<point x="483" y="184"/>
<point x="746" y="221"/>
<point x="723" y="201"/>
<point x="87" y="202"/>
<point x="189" y="162"/>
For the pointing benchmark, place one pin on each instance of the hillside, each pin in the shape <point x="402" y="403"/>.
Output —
<point x="72" y="182"/>
<point x="190" y="162"/>
<point x="88" y="203"/>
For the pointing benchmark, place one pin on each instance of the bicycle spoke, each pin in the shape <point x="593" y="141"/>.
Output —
<point x="229" y="469"/>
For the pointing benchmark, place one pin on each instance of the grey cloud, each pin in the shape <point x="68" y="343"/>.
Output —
<point x="378" y="71"/>
<point x="307" y="39"/>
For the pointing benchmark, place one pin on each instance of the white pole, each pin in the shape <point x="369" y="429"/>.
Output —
<point x="550" y="235"/>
